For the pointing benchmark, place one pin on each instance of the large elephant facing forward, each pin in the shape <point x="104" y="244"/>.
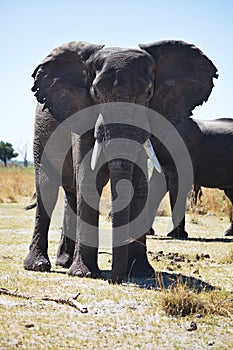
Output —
<point x="170" y="77"/>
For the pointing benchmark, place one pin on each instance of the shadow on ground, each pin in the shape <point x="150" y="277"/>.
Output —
<point x="165" y="280"/>
<point x="193" y="239"/>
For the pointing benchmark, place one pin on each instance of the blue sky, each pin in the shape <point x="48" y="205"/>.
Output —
<point x="31" y="29"/>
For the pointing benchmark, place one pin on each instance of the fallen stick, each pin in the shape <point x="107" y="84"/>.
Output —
<point x="16" y="293"/>
<point x="69" y="301"/>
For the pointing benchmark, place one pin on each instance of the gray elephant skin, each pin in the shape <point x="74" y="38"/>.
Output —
<point x="209" y="143"/>
<point x="169" y="77"/>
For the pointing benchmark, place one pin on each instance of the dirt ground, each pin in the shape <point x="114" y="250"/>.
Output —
<point x="128" y="316"/>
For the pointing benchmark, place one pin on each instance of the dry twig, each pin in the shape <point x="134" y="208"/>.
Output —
<point x="69" y="301"/>
<point x="16" y="293"/>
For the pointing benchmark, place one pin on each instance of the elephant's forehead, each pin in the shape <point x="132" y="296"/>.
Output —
<point x="121" y="51"/>
<point x="121" y="56"/>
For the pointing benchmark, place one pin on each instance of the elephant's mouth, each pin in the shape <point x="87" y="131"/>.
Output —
<point x="121" y="131"/>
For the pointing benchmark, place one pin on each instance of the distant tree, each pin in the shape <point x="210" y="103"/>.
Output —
<point x="23" y="151"/>
<point x="7" y="152"/>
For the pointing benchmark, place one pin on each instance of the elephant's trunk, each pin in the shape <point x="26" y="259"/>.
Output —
<point x="121" y="144"/>
<point x="121" y="174"/>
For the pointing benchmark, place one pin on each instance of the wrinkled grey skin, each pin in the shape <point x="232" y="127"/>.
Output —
<point x="170" y="77"/>
<point x="208" y="143"/>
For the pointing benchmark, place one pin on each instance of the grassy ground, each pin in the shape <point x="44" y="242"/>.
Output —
<point x="141" y="314"/>
<point x="131" y="316"/>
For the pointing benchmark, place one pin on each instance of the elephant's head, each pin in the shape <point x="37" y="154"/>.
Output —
<point x="170" y="77"/>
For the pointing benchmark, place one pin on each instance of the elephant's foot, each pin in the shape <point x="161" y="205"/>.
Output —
<point x="114" y="278"/>
<point x="80" y="269"/>
<point x="64" y="260"/>
<point x="85" y="262"/>
<point x="138" y="265"/>
<point x="178" y="234"/>
<point x="228" y="232"/>
<point x="36" y="261"/>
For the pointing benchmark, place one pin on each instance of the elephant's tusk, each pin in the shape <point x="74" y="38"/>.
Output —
<point x="95" y="154"/>
<point x="151" y="154"/>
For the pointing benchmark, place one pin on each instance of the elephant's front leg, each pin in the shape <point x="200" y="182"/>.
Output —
<point x="47" y="191"/>
<point x="86" y="245"/>
<point x="89" y="185"/>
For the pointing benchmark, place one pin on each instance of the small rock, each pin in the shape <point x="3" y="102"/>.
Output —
<point x="169" y="268"/>
<point x="192" y="327"/>
<point x="160" y="252"/>
<point x="178" y="259"/>
<point x="205" y="256"/>
<point x="29" y="325"/>
<point x="211" y="342"/>
<point x="156" y="258"/>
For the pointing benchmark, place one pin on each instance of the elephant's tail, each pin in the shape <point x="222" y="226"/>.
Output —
<point x="33" y="205"/>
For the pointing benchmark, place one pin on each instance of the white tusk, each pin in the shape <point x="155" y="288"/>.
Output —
<point x="151" y="154"/>
<point x="95" y="154"/>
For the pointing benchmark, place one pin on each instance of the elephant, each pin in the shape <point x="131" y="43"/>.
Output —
<point x="209" y="143"/>
<point x="108" y="94"/>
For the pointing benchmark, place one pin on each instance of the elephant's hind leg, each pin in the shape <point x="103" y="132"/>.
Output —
<point x="66" y="246"/>
<point x="229" y="194"/>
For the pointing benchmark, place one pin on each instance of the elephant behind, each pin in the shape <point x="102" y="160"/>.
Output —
<point x="209" y="143"/>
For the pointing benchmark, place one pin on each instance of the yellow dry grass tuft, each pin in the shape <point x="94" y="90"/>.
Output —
<point x="212" y="201"/>
<point x="215" y="201"/>
<point x="16" y="182"/>
<point x="182" y="300"/>
<point x="228" y="259"/>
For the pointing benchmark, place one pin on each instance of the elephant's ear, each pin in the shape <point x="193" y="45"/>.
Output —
<point x="61" y="80"/>
<point x="183" y="78"/>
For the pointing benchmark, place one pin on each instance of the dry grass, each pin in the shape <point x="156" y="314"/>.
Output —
<point x="212" y="201"/>
<point x="182" y="300"/>
<point x="228" y="259"/>
<point x="16" y="182"/>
